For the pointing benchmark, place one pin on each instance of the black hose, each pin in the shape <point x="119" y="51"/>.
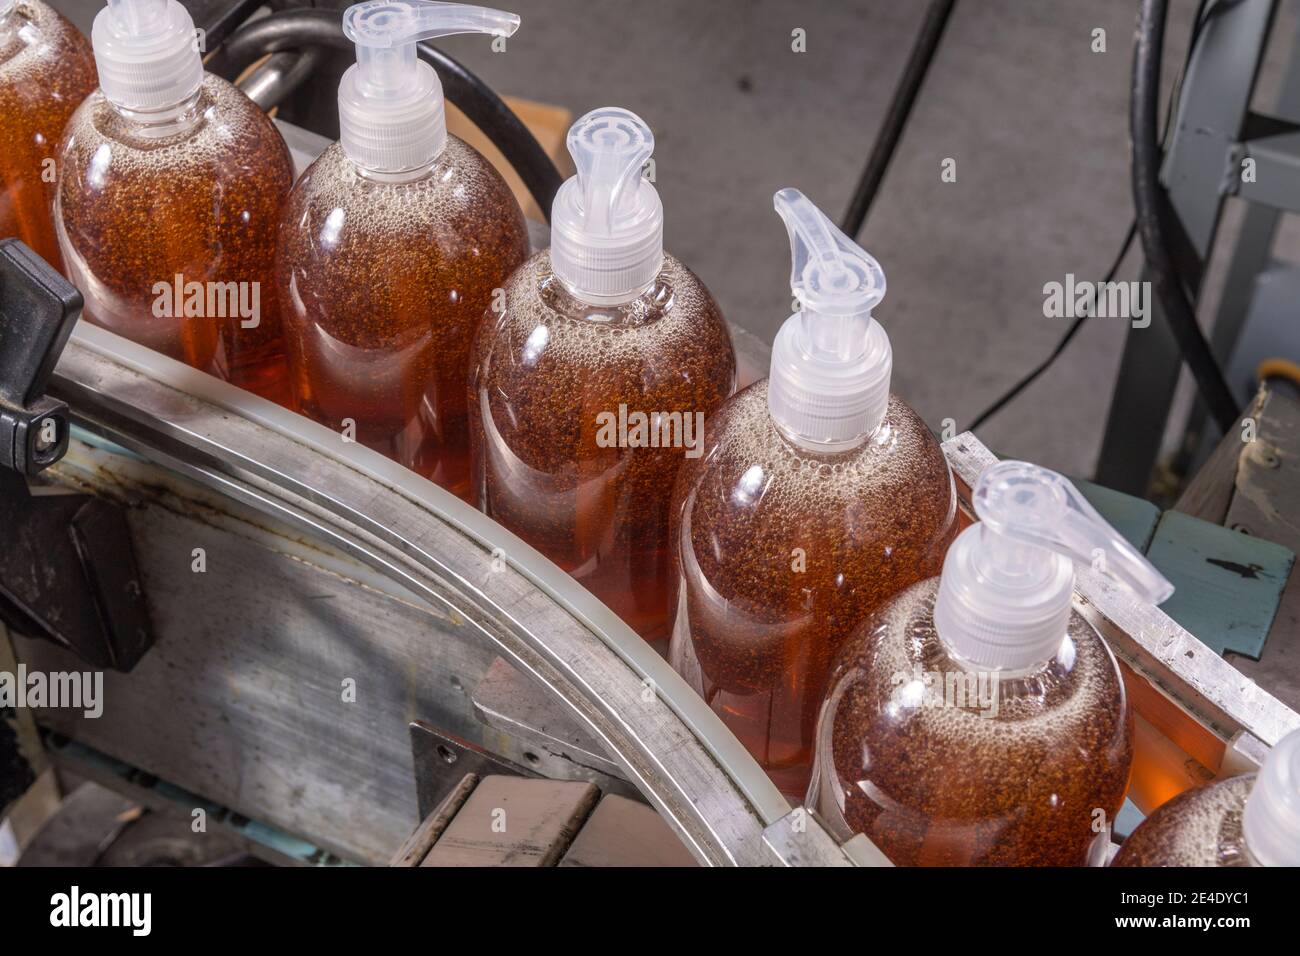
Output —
<point x="293" y="29"/>
<point x="1015" y="390"/>
<point x="1154" y="214"/>
<point x="937" y="15"/>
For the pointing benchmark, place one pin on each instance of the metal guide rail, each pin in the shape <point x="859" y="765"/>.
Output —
<point x="486" y="586"/>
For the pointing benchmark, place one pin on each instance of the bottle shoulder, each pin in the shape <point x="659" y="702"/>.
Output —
<point x="1199" y="827"/>
<point x="750" y="466"/>
<point x="673" y="331"/>
<point x="42" y="55"/>
<point x="460" y="182"/>
<point x="895" y="676"/>
<point x="224" y="134"/>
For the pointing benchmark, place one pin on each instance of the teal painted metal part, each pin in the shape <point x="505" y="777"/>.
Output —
<point x="1228" y="584"/>
<point x="1134" y="518"/>
<point x="262" y="834"/>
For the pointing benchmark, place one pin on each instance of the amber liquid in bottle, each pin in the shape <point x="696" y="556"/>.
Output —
<point x="549" y="372"/>
<point x="940" y="764"/>
<point x="384" y="285"/>
<point x="46" y="70"/>
<point x="1199" y="827"/>
<point x="168" y="227"/>
<point x="781" y="551"/>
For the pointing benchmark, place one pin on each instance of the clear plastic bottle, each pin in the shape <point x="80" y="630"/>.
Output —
<point x="171" y="186"/>
<point x="392" y="245"/>
<point x="819" y="496"/>
<point x="1251" y="820"/>
<point x="591" y="385"/>
<point x="46" y="70"/>
<point x="977" y="719"/>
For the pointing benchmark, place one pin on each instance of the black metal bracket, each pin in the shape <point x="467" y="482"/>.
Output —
<point x="67" y="569"/>
<point x="38" y="308"/>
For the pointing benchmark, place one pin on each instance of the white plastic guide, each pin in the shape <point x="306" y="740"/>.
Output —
<point x="607" y="222"/>
<point x="1004" y="596"/>
<point x="147" y="54"/>
<point x="831" y="361"/>
<point x="392" y="116"/>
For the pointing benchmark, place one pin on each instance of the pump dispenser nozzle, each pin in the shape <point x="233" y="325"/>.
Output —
<point x="831" y="361"/>
<point x="607" y="223"/>
<point x="391" y="113"/>
<point x="147" y="54"/>
<point x="1270" y="822"/>
<point x="1004" y="595"/>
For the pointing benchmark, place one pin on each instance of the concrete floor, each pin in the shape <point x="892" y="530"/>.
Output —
<point x="1036" y="122"/>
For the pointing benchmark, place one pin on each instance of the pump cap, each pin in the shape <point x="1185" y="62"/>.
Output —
<point x="831" y="361"/>
<point x="391" y="113"/>
<point x="607" y="223"/>
<point x="1004" y="595"/>
<point x="1271" y="820"/>
<point x="147" y="54"/>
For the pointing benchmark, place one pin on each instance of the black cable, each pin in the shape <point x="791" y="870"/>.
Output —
<point x="1154" y="215"/>
<point x="1198" y="25"/>
<point x="937" y="15"/>
<point x="1075" y="326"/>
<point x="291" y="29"/>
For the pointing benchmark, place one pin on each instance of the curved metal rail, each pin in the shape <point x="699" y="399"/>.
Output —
<point x="668" y="742"/>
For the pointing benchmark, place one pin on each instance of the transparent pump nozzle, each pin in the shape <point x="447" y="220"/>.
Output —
<point x="607" y="222"/>
<point x="831" y="361"/>
<point x="1004" y="596"/>
<point x="1270" y="821"/>
<point x="392" y="117"/>
<point x="147" y="54"/>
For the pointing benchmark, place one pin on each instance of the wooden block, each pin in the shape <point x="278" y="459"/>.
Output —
<point x="549" y="124"/>
<point x="1228" y="584"/>
<point x="1209" y="494"/>
<point x="623" y="832"/>
<point x="513" y="821"/>
<point x="418" y="844"/>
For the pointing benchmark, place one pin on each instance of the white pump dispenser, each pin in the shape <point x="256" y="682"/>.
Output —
<point x="831" y="361"/>
<point x="1270" y="822"/>
<point x="147" y="54"/>
<point x="607" y="223"/>
<point x="391" y="113"/>
<point x="1005" y="592"/>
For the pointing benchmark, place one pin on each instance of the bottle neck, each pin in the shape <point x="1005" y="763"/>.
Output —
<point x="163" y="123"/>
<point x="827" y="448"/>
<point x="395" y="178"/>
<point x="604" y="301"/>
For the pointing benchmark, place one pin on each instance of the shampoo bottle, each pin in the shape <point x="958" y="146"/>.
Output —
<point x="392" y="245"/>
<point x="977" y="719"/>
<point x="171" y="185"/>
<point x="1251" y="820"/>
<point x="46" y="70"/>
<point x="819" y="496"/>
<point x="591" y="384"/>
